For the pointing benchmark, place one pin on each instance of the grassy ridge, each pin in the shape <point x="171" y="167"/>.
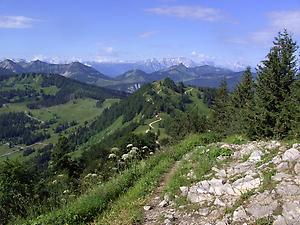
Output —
<point x="128" y="185"/>
<point x="128" y="208"/>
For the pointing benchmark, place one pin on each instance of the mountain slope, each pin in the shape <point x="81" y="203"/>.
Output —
<point x="40" y="107"/>
<point x="11" y="66"/>
<point x="74" y="70"/>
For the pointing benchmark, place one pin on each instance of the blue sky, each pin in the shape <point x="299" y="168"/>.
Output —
<point x="213" y="30"/>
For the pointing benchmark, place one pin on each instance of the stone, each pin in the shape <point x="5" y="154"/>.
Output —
<point x="203" y="211"/>
<point x="276" y="160"/>
<point x="167" y="222"/>
<point x="282" y="166"/>
<point x="296" y="145"/>
<point x="170" y="217"/>
<point x="288" y="189"/>
<point x="280" y="221"/>
<point x="262" y="205"/>
<point x="167" y="197"/>
<point x="291" y="155"/>
<point x="297" y="168"/>
<point x="239" y="214"/>
<point x="184" y="190"/>
<point x="280" y="176"/>
<point x="199" y="198"/>
<point x="291" y="212"/>
<point x="247" y="183"/>
<point x="163" y="203"/>
<point x="255" y="156"/>
<point x="218" y="202"/>
<point x="272" y="145"/>
<point x="147" y="207"/>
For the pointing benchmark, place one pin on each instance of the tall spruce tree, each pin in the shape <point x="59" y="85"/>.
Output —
<point x="221" y="115"/>
<point x="276" y="75"/>
<point x="241" y="104"/>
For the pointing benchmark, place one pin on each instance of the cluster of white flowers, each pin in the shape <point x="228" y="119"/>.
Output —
<point x="66" y="191"/>
<point x="90" y="175"/>
<point x="126" y="157"/>
<point x="112" y="156"/>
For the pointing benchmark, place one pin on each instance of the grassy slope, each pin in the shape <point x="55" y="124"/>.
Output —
<point x="121" y="197"/>
<point x="80" y="110"/>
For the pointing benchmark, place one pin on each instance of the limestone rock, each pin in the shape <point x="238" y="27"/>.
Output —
<point x="239" y="214"/>
<point x="291" y="155"/>
<point x="147" y="207"/>
<point x="163" y="203"/>
<point x="255" y="156"/>
<point x="184" y="190"/>
<point x="262" y="205"/>
<point x="291" y="212"/>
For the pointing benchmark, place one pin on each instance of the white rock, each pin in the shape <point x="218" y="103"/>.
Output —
<point x="167" y="197"/>
<point x="282" y="166"/>
<point x="291" y="212"/>
<point x="262" y="205"/>
<point x="247" y="183"/>
<point x="147" y="207"/>
<point x="239" y="214"/>
<point x="291" y="155"/>
<point x="163" y="203"/>
<point x="296" y="145"/>
<point x="184" y="190"/>
<point x="255" y="156"/>
<point x="297" y="168"/>
<point x="203" y="211"/>
<point x="167" y="222"/>
<point x="218" y="202"/>
<point x="280" y="221"/>
<point x="276" y="160"/>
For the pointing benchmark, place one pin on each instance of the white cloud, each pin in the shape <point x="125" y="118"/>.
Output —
<point x="277" y="21"/>
<point x="191" y="12"/>
<point x="147" y="34"/>
<point x="15" y="22"/>
<point x="286" y="19"/>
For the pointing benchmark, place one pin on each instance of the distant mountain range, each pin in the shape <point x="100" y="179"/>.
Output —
<point x="149" y="65"/>
<point x="186" y="71"/>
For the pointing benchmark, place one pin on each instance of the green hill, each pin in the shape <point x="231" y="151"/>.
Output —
<point x="36" y="109"/>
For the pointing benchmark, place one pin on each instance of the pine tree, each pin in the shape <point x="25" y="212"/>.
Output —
<point x="273" y="91"/>
<point x="221" y="113"/>
<point x="241" y="104"/>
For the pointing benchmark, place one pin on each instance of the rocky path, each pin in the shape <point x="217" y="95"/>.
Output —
<point x="258" y="184"/>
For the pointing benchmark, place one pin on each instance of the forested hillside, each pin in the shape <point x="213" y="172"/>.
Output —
<point x="35" y="109"/>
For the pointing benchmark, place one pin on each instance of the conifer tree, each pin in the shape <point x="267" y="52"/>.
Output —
<point x="221" y="116"/>
<point x="241" y="104"/>
<point x="276" y="75"/>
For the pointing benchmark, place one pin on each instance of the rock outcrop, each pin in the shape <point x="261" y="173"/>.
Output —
<point x="258" y="184"/>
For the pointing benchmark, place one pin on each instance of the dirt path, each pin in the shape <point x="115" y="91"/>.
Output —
<point x="34" y="118"/>
<point x="188" y="91"/>
<point x="150" y="124"/>
<point x="153" y="216"/>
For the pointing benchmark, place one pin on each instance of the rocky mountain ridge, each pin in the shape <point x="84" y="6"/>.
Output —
<point x="259" y="183"/>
